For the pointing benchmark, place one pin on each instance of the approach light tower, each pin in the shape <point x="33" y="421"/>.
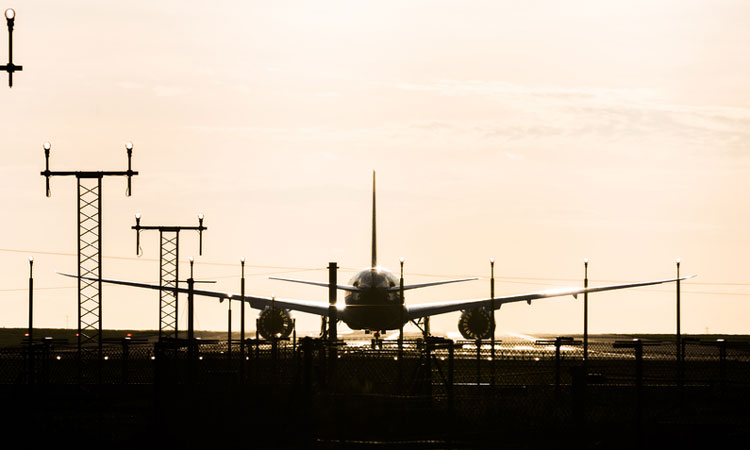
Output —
<point x="169" y="256"/>
<point x="89" y="239"/>
<point x="10" y="17"/>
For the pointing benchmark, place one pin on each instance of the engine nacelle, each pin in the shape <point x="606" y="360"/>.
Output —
<point x="275" y="323"/>
<point x="475" y="324"/>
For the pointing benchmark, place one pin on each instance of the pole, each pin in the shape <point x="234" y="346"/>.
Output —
<point x="585" y="310"/>
<point x="99" y="282"/>
<point x="492" y="315"/>
<point x="401" y="322"/>
<point x="678" y="337"/>
<point x="31" y="321"/>
<point x="31" y="299"/>
<point x="229" y="330"/>
<point x="242" y="322"/>
<point x="558" y="343"/>
<point x="479" y="360"/>
<point x="191" y="310"/>
<point x="10" y="16"/>
<point x="332" y="317"/>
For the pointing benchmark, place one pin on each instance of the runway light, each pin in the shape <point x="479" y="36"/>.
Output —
<point x="200" y="358"/>
<point x="47" y="145"/>
<point x="10" y="14"/>
<point x="129" y="335"/>
<point x="153" y="358"/>
<point x="59" y="358"/>
<point x="106" y="358"/>
<point x="536" y="359"/>
<point x="128" y="145"/>
<point x="26" y="334"/>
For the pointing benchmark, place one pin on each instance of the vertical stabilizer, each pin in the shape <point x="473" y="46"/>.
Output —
<point x="374" y="230"/>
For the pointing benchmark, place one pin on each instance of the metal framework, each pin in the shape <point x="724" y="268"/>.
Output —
<point x="169" y="255"/>
<point x="89" y="262"/>
<point x="89" y="237"/>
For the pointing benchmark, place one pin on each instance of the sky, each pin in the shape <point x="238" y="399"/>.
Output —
<point x="539" y="133"/>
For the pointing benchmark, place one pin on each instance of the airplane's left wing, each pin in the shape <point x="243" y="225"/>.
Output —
<point x="431" y="309"/>
<point x="307" y="306"/>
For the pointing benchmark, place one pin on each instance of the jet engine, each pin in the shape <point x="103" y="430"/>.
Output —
<point x="475" y="324"/>
<point x="275" y="323"/>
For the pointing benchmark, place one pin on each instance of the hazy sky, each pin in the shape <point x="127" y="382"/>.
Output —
<point x="537" y="132"/>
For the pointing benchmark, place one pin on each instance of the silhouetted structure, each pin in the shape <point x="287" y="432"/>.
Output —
<point x="169" y="269"/>
<point x="89" y="241"/>
<point x="10" y="17"/>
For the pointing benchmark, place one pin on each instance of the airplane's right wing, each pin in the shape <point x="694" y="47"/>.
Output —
<point x="431" y="309"/>
<point x="255" y="302"/>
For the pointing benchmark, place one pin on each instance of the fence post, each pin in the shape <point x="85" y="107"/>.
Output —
<point x="637" y="345"/>
<point x="450" y="380"/>
<point x="479" y="361"/>
<point x="274" y="359"/>
<point x="30" y="362"/>
<point x="722" y="344"/>
<point x="639" y="391"/>
<point x="125" y="359"/>
<point x="306" y="346"/>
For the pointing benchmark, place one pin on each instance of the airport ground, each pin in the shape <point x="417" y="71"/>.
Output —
<point x="447" y="394"/>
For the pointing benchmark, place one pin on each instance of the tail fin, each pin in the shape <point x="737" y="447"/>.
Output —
<point x="374" y="231"/>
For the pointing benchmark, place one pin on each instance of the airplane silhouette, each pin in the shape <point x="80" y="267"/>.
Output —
<point x="374" y="302"/>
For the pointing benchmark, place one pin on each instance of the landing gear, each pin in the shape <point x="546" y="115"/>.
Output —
<point x="376" y="342"/>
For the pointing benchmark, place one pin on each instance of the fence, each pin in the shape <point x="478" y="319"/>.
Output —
<point x="438" y="386"/>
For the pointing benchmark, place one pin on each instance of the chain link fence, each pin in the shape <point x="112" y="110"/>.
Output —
<point x="451" y="390"/>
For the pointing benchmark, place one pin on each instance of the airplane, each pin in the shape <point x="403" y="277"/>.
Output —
<point x="373" y="300"/>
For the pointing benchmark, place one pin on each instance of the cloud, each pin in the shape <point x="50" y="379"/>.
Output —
<point x="538" y="112"/>
<point x="129" y="85"/>
<point x="168" y="91"/>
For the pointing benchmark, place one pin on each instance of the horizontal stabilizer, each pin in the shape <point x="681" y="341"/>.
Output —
<point x="433" y="283"/>
<point x="343" y="287"/>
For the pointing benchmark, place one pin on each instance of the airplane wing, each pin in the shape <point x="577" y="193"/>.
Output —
<point x="307" y="306"/>
<point x="343" y="287"/>
<point x="431" y="309"/>
<point x="432" y="283"/>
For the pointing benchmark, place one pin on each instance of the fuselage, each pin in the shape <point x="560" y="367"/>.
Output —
<point x="373" y="307"/>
